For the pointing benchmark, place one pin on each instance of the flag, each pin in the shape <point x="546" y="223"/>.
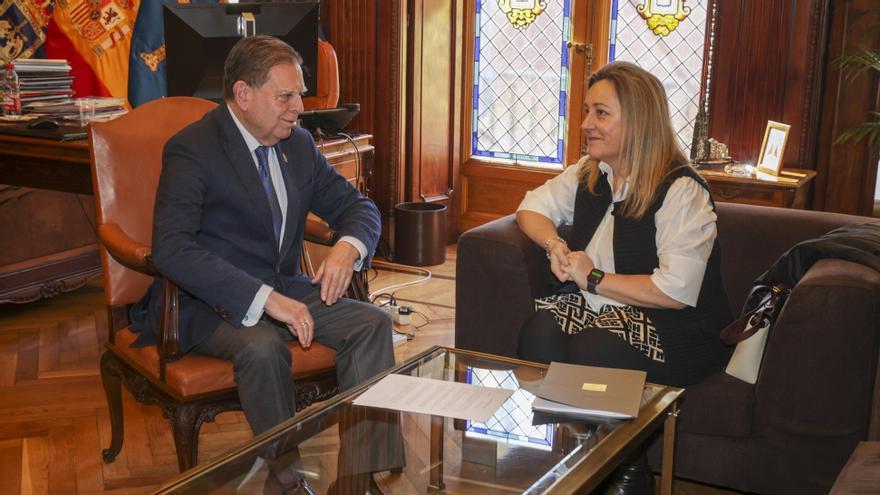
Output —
<point x="147" y="60"/>
<point x="23" y="27"/>
<point x="147" y="80"/>
<point x="95" y="37"/>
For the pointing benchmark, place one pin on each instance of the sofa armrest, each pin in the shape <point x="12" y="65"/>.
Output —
<point x="499" y="271"/>
<point x="817" y="384"/>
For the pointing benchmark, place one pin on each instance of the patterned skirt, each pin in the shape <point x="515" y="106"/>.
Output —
<point x="631" y="324"/>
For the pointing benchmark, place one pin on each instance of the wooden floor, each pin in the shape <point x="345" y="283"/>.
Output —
<point x="53" y="415"/>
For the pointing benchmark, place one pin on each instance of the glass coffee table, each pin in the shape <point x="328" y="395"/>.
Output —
<point x="347" y="449"/>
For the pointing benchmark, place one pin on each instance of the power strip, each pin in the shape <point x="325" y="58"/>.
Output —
<point x="402" y="315"/>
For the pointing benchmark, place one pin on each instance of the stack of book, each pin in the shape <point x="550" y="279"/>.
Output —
<point x="105" y="108"/>
<point x="42" y="80"/>
<point x="46" y="90"/>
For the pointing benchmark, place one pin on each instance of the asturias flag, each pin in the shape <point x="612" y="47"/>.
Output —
<point x="147" y="62"/>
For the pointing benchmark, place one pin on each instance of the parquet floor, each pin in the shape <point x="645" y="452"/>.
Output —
<point x="53" y="415"/>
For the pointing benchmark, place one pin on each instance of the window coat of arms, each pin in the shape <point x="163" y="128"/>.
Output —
<point x="522" y="13"/>
<point x="663" y="16"/>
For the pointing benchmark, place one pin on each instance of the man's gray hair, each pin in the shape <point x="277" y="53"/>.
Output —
<point x="251" y="59"/>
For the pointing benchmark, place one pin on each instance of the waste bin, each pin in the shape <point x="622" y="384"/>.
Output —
<point x="419" y="234"/>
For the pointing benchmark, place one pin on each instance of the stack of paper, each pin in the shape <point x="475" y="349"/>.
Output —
<point x="43" y="80"/>
<point x="105" y="108"/>
<point x="437" y="397"/>
<point x="571" y="389"/>
<point x="46" y="89"/>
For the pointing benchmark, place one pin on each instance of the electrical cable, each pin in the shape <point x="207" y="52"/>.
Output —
<point x="83" y="208"/>
<point x="357" y="158"/>
<point x="438" y="305"/>
<point x="401" y="285"/>
<point x="424" y="317"/>
<point x="390" y="297"/>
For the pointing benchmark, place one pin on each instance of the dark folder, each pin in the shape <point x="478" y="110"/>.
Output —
<point x="64" y="132"/>
<point x="590" y="391"/>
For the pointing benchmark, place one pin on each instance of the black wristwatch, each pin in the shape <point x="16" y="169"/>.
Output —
<point x="596" y="275"/>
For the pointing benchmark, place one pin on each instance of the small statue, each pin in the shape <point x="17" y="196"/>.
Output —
<point x="717" y="151"/>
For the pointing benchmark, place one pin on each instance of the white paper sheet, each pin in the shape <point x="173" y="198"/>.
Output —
<point x="429" y="396"/>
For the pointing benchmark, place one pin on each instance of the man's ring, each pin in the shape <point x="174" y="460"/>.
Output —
<point x="305" y="323"/>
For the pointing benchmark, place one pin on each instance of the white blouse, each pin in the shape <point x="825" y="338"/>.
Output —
<point x="685" y="224"/>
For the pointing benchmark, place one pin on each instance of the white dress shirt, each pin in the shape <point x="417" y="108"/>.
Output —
<point x="257" y="306"/>
<point x="685" y="224"/>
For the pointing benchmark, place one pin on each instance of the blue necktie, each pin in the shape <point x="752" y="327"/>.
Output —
<point x="266" y="179"/>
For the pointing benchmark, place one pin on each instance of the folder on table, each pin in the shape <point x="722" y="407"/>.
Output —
<point x="590" y="391"/>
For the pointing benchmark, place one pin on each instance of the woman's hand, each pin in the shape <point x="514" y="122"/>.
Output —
<point x="578" y="266"/>
<point x="558" y="253"/>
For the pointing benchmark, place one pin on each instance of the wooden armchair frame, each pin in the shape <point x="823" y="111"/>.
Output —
<point x="191" y="389"/>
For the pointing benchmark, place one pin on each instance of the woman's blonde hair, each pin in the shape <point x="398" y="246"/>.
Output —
<point x="648" y="146"/>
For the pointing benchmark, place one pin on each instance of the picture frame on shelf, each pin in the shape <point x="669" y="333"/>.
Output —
<point x="773" y="148"/>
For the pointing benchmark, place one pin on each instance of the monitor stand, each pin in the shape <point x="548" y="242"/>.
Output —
<point x="328" y="122"/>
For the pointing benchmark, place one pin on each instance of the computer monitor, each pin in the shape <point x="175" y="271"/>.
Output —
<point x="198" y="37"/>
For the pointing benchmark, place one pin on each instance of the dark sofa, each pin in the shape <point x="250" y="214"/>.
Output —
<point x="817" y="394"/>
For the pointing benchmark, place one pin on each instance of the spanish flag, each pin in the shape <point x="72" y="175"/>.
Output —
<point x="95" y="37"/>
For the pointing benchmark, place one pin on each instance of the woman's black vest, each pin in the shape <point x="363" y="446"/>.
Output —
<point x="689" y="336"/>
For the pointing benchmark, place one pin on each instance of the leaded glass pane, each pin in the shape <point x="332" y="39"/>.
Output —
<point x="520" y="82"/>
<point x="676" y="59"/>
<point x="513" y="420"/>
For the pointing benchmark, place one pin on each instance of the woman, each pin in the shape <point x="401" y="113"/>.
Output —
<point x="641" y="269"/>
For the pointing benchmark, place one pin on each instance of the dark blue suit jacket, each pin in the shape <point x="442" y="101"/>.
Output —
<point x="212" y="227"/>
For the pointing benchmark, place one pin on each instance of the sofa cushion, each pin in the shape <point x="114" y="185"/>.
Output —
<point x="719" y="405"/>
<point x="195" y="374"/>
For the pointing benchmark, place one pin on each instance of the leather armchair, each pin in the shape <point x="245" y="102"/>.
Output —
<point x="126" y="157"/>
<point x="327" y="92"/>
<point x="818" y="391"/>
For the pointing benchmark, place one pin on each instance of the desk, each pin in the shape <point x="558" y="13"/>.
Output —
<point x="790" y="190"/>
<point x="47" y="241"/>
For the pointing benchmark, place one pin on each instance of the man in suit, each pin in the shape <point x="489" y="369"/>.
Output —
<point x="230" y="211"/>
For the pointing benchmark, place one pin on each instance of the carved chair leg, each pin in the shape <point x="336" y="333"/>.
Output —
<point x="185" y="424"/>
<point x="110" y="369"/>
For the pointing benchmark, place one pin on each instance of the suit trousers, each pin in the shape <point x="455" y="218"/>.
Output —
<point x="359" y="332"/>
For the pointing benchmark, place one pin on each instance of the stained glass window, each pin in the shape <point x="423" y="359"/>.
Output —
<point x="675" y="58"/>
<point x="513" y="420"/>
<point x="520" y="81"/>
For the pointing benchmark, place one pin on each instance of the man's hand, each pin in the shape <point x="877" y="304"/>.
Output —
<point x="292" y="313"/>
<point x="578" y="268"/>
<point x="558" y="255"/>
<point x="335" y="271"/>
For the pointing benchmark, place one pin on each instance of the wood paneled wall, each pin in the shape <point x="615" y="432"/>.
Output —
<point x="368" y="36"/>
<point x="433" y="120"/>
<point x="848" y="173"/>
<point x="767" y="67"/>
<point x="774" y="61"/>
